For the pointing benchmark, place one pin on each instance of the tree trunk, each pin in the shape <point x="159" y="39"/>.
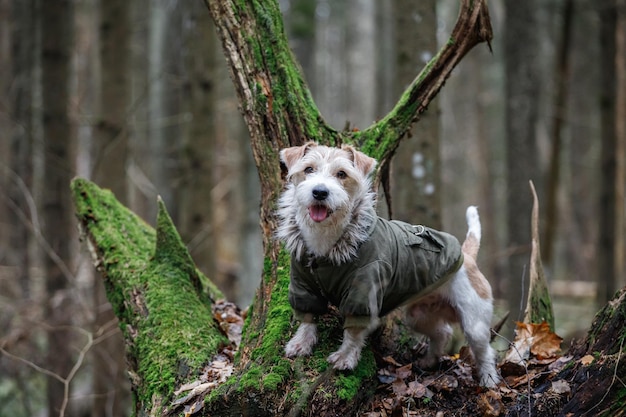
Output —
<point x="416" y="168"/>
<point x="197" y="150"/>
<point x="56" y="32"/>
<point x="611" y="233"/>
<point x="110" y="152"/>
<point x="562" y="79"/>
<point x="20" y="173"/>
<point x="522" y="95"/>
<point x="6" y="77"/>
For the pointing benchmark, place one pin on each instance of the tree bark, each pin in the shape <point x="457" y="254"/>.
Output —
<point x="521" y="44"/>
<point x="611" y="223"/>
<point x="196" y="180"/>
<point x="415" y="172"/>
<point x="110" y="153"/>
<point x="56" y="32"/>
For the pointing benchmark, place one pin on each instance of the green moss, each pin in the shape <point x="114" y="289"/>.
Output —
<point x="160" y="300"/>
<point x="348" y="384"/>
<point x="269" y="368"/>
<point x="272" y="381"/>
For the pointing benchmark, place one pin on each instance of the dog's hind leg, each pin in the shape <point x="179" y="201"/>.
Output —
<point x="474" y="313"/>
<point x="427" y="319"/>
<point x="478" y="334"/>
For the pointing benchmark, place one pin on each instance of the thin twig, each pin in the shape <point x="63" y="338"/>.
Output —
<point x="72" y="373"/>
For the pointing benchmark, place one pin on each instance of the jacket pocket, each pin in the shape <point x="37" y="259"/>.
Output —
<point x="418" y="235"/>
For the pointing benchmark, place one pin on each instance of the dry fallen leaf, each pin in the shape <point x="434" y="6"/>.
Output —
<point x="587" y="360"/>
<point x="535" y="339"/>
<point x="391" y="361"/>
<point x="490" y="404"/>
<point x="404" y="371"/>
<point x="561" y="387"/>
<point x="445" y="383"/>
<point x="546" y="344"/>
<point x="418" y="390"/>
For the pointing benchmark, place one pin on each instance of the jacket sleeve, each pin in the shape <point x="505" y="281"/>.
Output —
<point x="302" y="297"/>
<point x="363" y="302"/>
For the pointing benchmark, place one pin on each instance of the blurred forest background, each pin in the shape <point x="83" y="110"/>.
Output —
<point x="136" y="96"/>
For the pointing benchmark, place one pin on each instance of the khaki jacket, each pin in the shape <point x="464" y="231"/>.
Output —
<point x="398" y="263"/>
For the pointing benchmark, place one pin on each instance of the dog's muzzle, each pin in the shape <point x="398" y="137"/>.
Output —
<point x="319" y="212"/>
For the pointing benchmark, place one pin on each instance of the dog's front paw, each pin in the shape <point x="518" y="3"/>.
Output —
<point x="301" y="344"/>
<point x="344" y="359"/>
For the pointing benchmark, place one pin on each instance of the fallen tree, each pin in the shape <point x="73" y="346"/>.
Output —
<point x="187" y="351"/>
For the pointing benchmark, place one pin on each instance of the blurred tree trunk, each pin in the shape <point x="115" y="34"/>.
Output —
<point x="620" y="152"/>
<point x="580" y="218"/>
<point x="329" y="71"/>
<point x="611" y="223"/>
<point x="416" y="183"/>
<point x="562" y="80"/>
<point x="165" y="117"/>
<point x="361" y="83"/>
<point x="301" y="30"/>
<point x="6" y="77"/>
<point x="109" y="153"/>
<point x="20" y="173"/>
<point x="58" y="221"/>
<point x="522" y="98"/>
<point x="197" y="151"/>
<point x="141" y="190"/>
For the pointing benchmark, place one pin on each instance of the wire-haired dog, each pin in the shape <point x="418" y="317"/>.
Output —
<point x="343" y="253"/>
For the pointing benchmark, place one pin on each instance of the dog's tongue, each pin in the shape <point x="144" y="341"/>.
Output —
<point x="318" y="213"/>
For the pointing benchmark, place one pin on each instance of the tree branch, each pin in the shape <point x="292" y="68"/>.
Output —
<point x="472" y="27"/>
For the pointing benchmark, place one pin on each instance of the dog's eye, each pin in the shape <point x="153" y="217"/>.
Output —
<point x="342" y="175"/>
<point x="308" y="170"/>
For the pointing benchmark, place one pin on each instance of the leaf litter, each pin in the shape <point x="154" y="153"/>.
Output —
<point x="230" y="320"/>
<point x="529" y="369"/>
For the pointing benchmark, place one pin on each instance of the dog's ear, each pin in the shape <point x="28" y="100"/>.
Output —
<point x="362" y="162"/>
<point x="289" y="156"/>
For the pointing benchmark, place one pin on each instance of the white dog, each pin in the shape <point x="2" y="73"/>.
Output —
<point x="343" y="253"/>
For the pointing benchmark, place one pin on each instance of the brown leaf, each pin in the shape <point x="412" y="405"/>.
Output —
<point x="546" y="344"/>
<point x="561" y="387"/>
<point x="404" y="372"/>
<point x="587" y="360"/>
<point x="391" y="361"/>
<point x="445" y="383"/>
<point x="535" y="339"/>
<point x="418" y="390"/>
<point x="399" y="388"/>
<point x="490" y="404"/>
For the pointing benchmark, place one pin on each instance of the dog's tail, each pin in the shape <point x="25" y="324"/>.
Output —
<point x="472" y="240"/>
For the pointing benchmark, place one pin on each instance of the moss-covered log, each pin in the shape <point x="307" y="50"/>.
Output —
<point x="162" y="301"/>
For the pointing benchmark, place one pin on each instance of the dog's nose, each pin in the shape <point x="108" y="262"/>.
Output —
<point x="320" y="193"/>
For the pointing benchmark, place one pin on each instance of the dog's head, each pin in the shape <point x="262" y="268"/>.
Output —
<point x="327" y="180"/>
<point x="326" y="186"/>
